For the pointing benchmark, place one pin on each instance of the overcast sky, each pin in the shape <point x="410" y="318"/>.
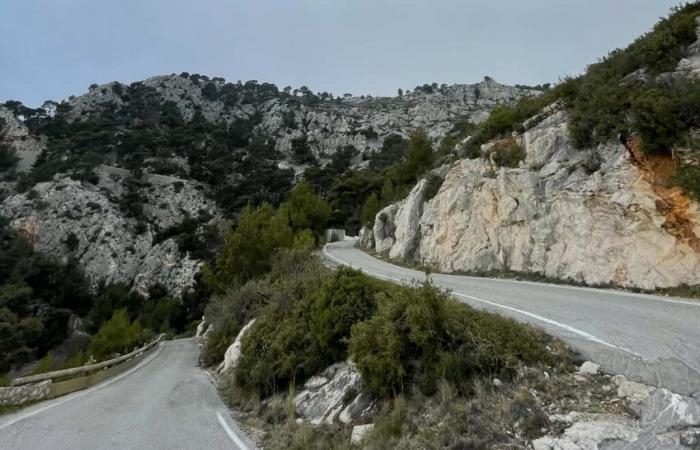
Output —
<point x="50" y="49"/>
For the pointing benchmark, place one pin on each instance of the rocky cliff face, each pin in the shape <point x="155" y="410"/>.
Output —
<point x="66" y="219"/>
<point x="588" y="215"/>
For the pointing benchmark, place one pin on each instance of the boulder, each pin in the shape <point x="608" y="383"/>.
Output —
<point x="589" y="434"/>
<point x="635" y="393"/>
<point x="359" y="433"/>
<point x="360" y="409"/>
<point x="233" y="353"/>
<point x="366" y="238"/>
<point x="384" y="229"/>
<point x="589" y="368"/>
<point x="323" y="396"/>
<point x="202" y="326"/>
<point x="663" y="410"/>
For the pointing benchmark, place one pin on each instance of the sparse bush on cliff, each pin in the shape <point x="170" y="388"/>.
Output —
<point x="688" y="177"/>
<point x="509" y="155"/>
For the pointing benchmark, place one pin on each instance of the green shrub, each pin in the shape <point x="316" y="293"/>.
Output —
<point x="509" y="156"/>
<point x="77" y="360"/>
<point x="44" y="365"/>
<point x="218" y="342"/>
<point x="117" y="335"/>
<point x="448" y="340"/>
<point x="346" y="298"/>
<point x="304" y="209"/>
<point x="688" y="177"/>
<point x="8" y="157"/>
<point x="248" y="250"/>
<point x="297" y="336"/>
<point x="432" y="186"/>
<point x="370" y="210"/>
<point x="278" y="350"/>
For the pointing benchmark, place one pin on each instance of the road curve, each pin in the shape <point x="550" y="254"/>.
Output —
<point x="649" y="338"/>
<point x="167" y="402"/>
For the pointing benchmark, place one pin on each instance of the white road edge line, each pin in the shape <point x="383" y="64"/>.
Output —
<point x="85" y="391"/>
<point x="564" y="326"/>
<point x="231" y="434"/>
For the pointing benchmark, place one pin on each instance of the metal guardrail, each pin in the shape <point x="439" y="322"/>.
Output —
<point x="84" y="369"/>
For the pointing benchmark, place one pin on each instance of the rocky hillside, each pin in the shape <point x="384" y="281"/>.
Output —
<point x="555" y="196"/>
<point x="323" y="123"/>
<point x="134" y="181"/>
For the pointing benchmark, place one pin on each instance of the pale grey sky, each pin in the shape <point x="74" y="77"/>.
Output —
<point x="51" y="49"/>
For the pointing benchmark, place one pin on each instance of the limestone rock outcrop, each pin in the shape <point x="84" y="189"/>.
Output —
<point x="323" y="396"/>
<point x="589" y="215"/>
<point x="65" y="219"/>
<point x="14" y="133"/>
<point x="233" y="353"/>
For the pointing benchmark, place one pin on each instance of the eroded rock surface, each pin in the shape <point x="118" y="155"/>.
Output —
<point x="587" y="215"/>
<point x="66" y="219"/>
<point x="323" y="397"/>
<point x="233" y="353"/>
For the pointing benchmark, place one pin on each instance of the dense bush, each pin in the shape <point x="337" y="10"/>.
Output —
<point x="249" y="250"/>
<point x="8" y="157"/>
<point x="228" y="312"/>
<point x="346" y="298"/>
<point x="305" y="210"/>
<point x="449" y="340"/>
<point x="118" y="335"/>
<point x="297" y="336"/>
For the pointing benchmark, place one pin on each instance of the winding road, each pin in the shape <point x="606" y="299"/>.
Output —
<point x="652" y="339"/>
<point x="166" y="402"/>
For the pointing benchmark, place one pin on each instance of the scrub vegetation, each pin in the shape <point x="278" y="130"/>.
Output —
<point x="413" y="345"/>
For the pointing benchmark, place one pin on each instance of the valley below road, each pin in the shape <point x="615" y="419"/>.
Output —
<point x="648" y="338"/>
<point x="167" y="402"/>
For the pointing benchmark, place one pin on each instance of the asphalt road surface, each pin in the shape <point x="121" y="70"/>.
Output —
<point x="648" y="338"/>
<point x="167" y="402"/>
